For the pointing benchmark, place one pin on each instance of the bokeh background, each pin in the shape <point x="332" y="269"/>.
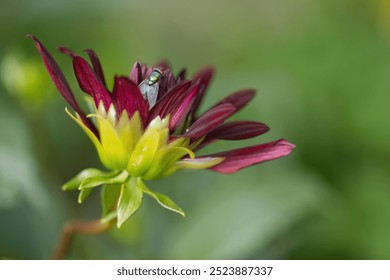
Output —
<point x="322" y="71"/>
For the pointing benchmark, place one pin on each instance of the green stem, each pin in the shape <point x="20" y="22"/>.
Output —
<point x="70" y="229"/>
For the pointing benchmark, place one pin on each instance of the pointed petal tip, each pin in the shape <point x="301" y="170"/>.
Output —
<point x="286" y="143"/>
<point x="204" y="75"/>
<point x="35" y="39"/>
<point x="66" y="51"/>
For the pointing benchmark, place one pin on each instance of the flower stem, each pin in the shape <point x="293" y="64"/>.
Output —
<point x="70" y="229"/>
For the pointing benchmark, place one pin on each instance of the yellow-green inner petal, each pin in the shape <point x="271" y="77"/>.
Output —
<point x="113" y="147"/>
<point x="90" y="134"/>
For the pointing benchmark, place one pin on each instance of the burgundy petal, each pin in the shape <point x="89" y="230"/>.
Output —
<point x="163" y="65"/>
<point x="127" y="96"/>
<point x="238" y="99"/>
<point x="238" y="130"/>
<point x="209" y="121"/>
<point x="60" y="82"/>
<point x="204" y="77"/>
<point x="181" y="108"/>
<point x="146" y="71"/>
<point x="181" y="76"/>
<point x="97" y="66"/>
<point x="244" y="157"/>
<point x="136" y="73"/>
<point x="162" y="106"/>
<point x="56" y="74"/>
<point x="90" y="83"/>
<point x="169" y="81"/>
<point x="66" y="51"/>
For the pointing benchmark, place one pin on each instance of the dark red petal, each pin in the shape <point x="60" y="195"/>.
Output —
<point x="163" y="65"/>
<point x="204" y="77"/>
<point x="181" y="76"/>
<point x="181" y="108"/>
<point x="66" y="51"/>
<point x="168" y="80"/>
<point x="147" y="71"/>
<point x="238" y="99"/>
<point x="209" y="121"/>
<point x="238" y="130"/>
<point x="56" y="74"/>
<point x="127" y="96"/>
<point x="90" y="83"/>
<point x="162" y="106"/>
<point x="60" y="82"/>
<point x="136" y="73"/>
<point x="244" y="157"/>
<point x="97" y="66"/>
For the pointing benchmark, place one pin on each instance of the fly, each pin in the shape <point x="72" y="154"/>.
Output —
<point x="149" y="87"/>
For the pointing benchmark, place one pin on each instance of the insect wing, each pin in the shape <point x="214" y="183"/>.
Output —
<point x="152" y="95"/>
<point x="143" y="87"/>
<point x="149" y="92"/>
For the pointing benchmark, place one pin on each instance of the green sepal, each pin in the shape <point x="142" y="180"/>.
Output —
<point x="109" y="195"/>
<point x="75" y="182"/>
<point x="112" y="177"/>
<point x="162" y="199"/>
<point x="130" y="199"/>
<point x="84" y="193"/>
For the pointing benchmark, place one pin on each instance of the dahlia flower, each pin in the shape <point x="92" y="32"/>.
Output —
<point x="149" y="127"/>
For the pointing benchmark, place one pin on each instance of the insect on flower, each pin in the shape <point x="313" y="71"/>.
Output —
<point x="149" y="127"/>
<point x="149" y="87"/>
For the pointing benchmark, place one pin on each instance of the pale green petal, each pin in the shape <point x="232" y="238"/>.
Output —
<point x="159" y="123"/>
<point x="129" y="130"/>
<point x="197" y="163"/>
<point x="195" y="144"/>
<point x="112" y="177"/>
<point x="83" y="195"/>
<point x="164" y="160"/>
<point x="129" y="200"/>
<point x="162" y="199"/>
<point x="179" y="142"/>
<point x="144" y="152"/>
<point x="111" y="114"/>
<point x="113" y="147"/>
<point x="164" y="134"/>
<point x="161" y="126"/>
<point x="76" y="181"/>
<point x="90" y="134"/>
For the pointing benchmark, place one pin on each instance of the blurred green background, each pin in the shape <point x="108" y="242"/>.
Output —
<point x="322" y="71"/>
